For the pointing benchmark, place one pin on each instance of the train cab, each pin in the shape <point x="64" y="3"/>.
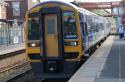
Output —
<point x="58" y="35"/>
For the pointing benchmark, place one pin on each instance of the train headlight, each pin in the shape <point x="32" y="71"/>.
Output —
<point x="33" y="44"/>
<point x="71" y="43"/>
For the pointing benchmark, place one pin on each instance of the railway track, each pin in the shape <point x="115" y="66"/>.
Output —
<point x="20" y="72"/>
<point x="14" y="71"/>
<point x="13" y="64"/>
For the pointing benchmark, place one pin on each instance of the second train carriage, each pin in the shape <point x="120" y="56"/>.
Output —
<point x="58" y="35"/>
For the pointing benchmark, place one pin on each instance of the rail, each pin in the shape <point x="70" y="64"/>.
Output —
<point x="14" y="71"/>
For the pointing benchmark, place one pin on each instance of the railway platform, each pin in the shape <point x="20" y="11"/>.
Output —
<point x="107" y="64"/>
<point x="11" y="48"/>
<point x="12" y="61"/>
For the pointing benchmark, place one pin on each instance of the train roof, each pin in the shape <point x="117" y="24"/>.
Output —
<point x="56" y="2"/>
<point x="67" y="4"/>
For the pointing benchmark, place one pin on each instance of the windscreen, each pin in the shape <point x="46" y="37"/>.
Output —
<point x="70" y="31"/>
<point x="33" y="28"/>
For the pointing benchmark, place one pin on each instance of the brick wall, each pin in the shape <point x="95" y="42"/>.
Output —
<point x="2" y="12"/>
<point x="23" y="9"/>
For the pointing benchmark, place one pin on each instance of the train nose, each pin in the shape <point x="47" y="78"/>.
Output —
<point x="51" y="66"/>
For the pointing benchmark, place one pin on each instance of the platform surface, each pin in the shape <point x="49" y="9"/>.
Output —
<point x="107" y="64"/>
<point x="11" y="48"/>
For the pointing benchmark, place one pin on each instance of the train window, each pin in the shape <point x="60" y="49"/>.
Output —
<point x="90" y="26"/>
<point x="81" y="17"/>
<point x="94" y="26"/>
<point x="101" y="26"/>
<point x="50" y="26"/>
<point x="82" y="28"/>
<point x="97" y="27"/>
<point x="70" y="31"/>
<point x="35" y="14"/>
<point x="33" y="29"/>
<point x="68" y="13"/>
<point x="86" y="30"/>
<point x="83" y="24"/>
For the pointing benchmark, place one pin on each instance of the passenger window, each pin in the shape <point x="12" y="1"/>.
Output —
<point x="94" y="26"/>
<point x="85" y="27"/>
<point x="82" y="28"/>
<point x="101" y="26"/>
<point x="97" y="27"/>
<point x="90" y="24"/>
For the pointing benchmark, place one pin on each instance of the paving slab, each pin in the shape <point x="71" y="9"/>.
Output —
<point x="92" y="69"/>
<point x="11" y="48"/>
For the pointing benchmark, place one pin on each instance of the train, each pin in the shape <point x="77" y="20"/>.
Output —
<point x="59" y="35"/>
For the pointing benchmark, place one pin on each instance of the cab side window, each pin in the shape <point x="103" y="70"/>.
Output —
<point x="83" y="24"/>
<point x="70" y="30"/>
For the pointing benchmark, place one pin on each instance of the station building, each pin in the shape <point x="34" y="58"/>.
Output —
<point x="12" y="21"/>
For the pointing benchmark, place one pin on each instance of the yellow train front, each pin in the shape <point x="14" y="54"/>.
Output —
<point x="54" y="39"/>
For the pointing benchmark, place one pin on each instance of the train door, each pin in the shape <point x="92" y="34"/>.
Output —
<point x="51" y="35"/>
<point x="51" y="49"/>
<point x="51" y="24"/>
